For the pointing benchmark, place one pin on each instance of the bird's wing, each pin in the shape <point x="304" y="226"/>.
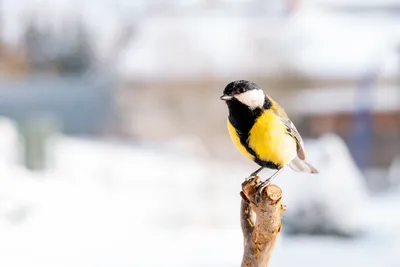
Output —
<point x="290" y="128"/>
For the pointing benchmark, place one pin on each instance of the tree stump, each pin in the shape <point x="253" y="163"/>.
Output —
<point x="260" y="221"/>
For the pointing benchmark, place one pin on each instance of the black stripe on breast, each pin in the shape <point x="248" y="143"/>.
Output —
<point x="242" y="119"/>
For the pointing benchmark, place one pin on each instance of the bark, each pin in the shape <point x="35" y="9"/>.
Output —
<point x="260" y="221"/>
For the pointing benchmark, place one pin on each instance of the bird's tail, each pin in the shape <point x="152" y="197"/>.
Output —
<point x="302" y="166"/>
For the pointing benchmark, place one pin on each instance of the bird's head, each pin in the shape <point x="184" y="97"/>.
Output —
<point x="248" y="93"/>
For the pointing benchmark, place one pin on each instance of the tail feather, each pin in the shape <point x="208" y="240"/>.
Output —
<point x="302" y="166"/>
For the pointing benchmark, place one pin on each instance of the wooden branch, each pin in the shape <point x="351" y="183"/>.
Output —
<point x="261" y="222"/>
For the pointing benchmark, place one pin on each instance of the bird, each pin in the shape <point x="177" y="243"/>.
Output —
<point x="262" y="131"/>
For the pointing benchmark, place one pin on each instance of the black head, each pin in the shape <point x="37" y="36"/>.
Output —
<point x="247" y="93"/>
<point x="238" y="87"/>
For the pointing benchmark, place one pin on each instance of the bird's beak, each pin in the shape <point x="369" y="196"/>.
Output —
<point x="226" y="97"/>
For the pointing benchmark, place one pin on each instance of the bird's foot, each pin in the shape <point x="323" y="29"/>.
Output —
<point x="260" y="189"/>
<point x="252" y="176"/>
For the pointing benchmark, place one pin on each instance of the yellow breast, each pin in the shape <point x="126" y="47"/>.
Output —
<point x="268" y="138"/>
<point x="236" y="141"/>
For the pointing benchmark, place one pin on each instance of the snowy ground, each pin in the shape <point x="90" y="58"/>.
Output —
<point x="111" y="205"/>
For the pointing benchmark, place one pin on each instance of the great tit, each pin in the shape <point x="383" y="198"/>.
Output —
<point x="261" y="130"/>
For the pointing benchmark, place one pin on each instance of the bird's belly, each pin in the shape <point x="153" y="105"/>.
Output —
<point x="271" y="143"/>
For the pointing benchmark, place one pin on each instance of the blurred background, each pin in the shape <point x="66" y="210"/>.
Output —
<point x="113" y="142"/>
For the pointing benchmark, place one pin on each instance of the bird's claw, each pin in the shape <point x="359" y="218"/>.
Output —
<point x="250" y="177"/>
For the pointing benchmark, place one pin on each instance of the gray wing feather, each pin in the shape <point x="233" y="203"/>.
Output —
<point x="292" y="131"/>
<point x="302" y="166"/>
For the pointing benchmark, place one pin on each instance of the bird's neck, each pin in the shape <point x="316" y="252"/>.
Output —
<point x="241" y="116"/>
<point x="267" y="103"/>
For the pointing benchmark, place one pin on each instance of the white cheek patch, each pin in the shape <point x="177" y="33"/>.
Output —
<point x="252" y="98"/>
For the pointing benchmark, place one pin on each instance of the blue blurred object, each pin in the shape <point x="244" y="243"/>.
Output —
<point x="361" y="139"/>
<point x="84" y="105"/>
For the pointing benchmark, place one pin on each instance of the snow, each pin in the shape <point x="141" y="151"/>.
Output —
<point x="326" y="45"/>
<point x="312" y="41"/>
<point x="192" y="47"/>
<point x="332" y="201"/>
<point x="93" y="208"/>
<point x="344" y="45"/>
<point x="108" y="204"/>
<point x="10" y="143"/>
